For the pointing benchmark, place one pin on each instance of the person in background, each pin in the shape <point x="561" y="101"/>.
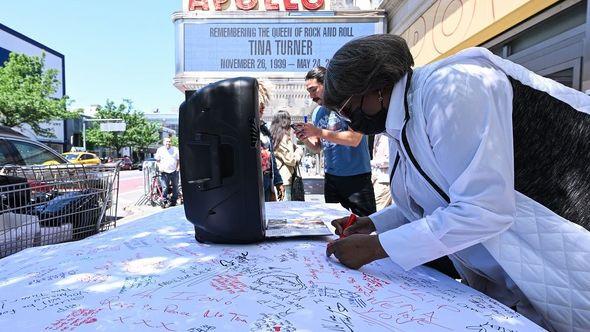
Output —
<point x="491" y="168"/>
<point x="167" y="161"/>
<point x="270" y="173"/>
<point x="347" y="165"/>
<point x="308" y="164"/>
<point x="380" y="175"/>
<point x="287" y="154"/>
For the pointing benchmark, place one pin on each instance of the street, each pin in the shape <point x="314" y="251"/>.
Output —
<point x="130" y="190"/>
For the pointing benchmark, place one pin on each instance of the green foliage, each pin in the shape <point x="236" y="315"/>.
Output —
<point x="139" y="133"/>
<point x="174" y="140"/>
<point x="26" y="93"/>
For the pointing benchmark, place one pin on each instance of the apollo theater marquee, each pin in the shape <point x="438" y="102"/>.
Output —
<point x="276" y="41"/>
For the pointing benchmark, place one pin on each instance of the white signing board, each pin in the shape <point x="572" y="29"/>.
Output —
<point x="151" y="275"/>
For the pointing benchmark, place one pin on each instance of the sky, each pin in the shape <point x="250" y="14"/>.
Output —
<point x="114" y="49"/>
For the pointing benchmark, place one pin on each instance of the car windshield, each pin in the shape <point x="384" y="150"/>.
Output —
<point x="5" y="156"/>
<point x="36" y="155"/>
<point x="71" y="156"/>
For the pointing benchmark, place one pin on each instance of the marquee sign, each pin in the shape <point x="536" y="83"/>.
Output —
<point x="246" y="5"/>
<point x="266" y="46"/>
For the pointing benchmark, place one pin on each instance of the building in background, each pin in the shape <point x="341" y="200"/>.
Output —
<point x="168" y="121"/>
<point x="265" y="40"/>
<point x="65" y="132"/>
<point x="549" y="37"/>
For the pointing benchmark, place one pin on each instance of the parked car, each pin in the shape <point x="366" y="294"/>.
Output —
<point x="83" y="158"/>
<point x="18" y="149"/>
<point x="126" y="163"/>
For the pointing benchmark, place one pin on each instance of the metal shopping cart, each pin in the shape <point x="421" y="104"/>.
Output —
<point x="42" y="205"/>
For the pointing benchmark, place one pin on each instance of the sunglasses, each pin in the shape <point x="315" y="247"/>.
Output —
<point x="345" y="110"/>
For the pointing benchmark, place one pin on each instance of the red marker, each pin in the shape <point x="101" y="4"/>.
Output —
<point x="351" y="220"/>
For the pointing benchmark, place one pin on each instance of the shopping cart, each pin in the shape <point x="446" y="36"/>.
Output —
<point x="42" y="205"/>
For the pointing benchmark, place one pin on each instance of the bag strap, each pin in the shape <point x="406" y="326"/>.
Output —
<point x="408" y="150"/>
<point x="296" y="170"/>
<point x="394" y="168"/>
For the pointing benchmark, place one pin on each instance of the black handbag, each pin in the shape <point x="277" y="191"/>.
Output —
<point x="297" y="190"/>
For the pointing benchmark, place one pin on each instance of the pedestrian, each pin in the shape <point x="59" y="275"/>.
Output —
<point x="167" y="160"/>
<point x="491" y="167"/>
<point x="380" y="174"/>
<point x="287" y="154"/>
<point x="270" y="173"/>
<point x="347" y="165"/>
<point x="308" y="164"/>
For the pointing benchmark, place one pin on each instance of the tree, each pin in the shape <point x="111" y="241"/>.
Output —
<point x="139" y="133"/>
<point x="27" y="93"/>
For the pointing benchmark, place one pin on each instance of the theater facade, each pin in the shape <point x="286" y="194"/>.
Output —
<point x="274" y="41"/>
<point x="278" y="41"/>
<point x="550" y="37"/>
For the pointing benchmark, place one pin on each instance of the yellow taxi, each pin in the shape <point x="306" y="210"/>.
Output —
<point x="83" y="158"/>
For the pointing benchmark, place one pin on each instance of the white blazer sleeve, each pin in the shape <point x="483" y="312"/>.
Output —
<point x="468" y="121"/>
<point x="388" y="218"/>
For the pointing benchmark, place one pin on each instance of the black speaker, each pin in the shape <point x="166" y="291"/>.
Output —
<point x="220" y="162"/>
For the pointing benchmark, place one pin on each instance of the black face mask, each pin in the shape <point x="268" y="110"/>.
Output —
<point x="368" y="124"/>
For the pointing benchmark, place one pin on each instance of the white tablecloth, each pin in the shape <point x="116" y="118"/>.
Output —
<point x="151" y="275"/>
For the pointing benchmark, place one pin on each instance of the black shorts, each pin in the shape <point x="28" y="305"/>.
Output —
<point x="354" y="192"/>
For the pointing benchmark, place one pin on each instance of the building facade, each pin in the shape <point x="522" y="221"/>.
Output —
<point x="66" y="133"/>
<point x="276" y="42"/>
<point x="168" y="122"/>
<point x="549" y="37"/>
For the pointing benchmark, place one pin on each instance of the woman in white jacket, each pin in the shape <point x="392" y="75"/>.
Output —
<point x="489" y="165"/>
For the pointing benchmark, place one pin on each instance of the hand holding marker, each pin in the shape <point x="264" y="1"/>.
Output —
<point x="351" y="220"/>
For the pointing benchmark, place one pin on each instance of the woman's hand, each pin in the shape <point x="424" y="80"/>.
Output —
<point x="356" y="250"/>
<point x="363" y="225"/>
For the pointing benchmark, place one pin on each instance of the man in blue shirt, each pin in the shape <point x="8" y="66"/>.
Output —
<point x="346" y="153"/>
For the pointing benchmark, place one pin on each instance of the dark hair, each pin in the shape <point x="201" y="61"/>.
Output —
<point x="279" y="127"/>
<point x="316" y="73"/>
<point x="366" y="64"/>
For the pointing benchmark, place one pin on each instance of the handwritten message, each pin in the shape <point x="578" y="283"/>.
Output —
<point x="151" y="275"/>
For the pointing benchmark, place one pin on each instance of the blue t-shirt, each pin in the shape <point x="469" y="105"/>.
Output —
<point x="341" y="160"/>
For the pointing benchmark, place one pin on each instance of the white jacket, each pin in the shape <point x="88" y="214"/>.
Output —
<point x="503" y="243"/>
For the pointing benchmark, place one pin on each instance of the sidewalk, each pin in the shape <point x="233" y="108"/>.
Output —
<point x="128" y="211"/>
<point x="132" y="212"/>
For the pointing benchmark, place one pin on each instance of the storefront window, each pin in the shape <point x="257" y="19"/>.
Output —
<point x="565" y="77"/>
<point x="553" y="26"/>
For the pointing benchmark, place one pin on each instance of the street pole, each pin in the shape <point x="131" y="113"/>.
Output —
<point x="84" y="133"/>
<point x="95" y="120"/>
